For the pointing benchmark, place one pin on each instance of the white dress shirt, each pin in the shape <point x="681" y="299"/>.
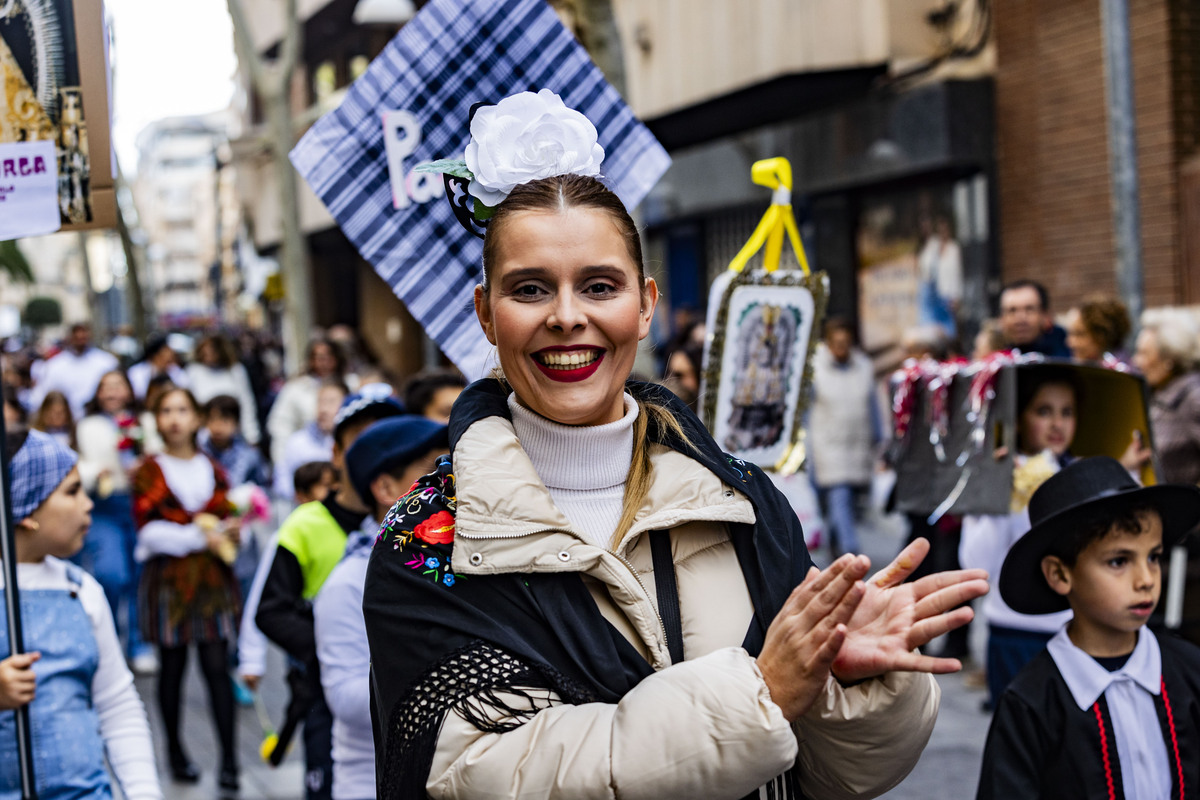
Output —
<point x="1130" y="692"/>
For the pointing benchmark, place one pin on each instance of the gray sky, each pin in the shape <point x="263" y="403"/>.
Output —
<point x="170" y="58"/>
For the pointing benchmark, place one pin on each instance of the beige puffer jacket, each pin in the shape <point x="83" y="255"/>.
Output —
<point x="704" y="728"/>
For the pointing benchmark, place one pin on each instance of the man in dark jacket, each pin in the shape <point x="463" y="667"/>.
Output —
<point x="1026" y="323"/>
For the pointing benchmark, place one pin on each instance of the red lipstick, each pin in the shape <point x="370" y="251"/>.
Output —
<point x="568" y="375"/>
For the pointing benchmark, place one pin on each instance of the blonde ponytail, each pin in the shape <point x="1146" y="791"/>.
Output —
<point x="637" y="485"/>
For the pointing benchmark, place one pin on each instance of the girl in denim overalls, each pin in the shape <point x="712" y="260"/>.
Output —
<point x="82" y="702"/>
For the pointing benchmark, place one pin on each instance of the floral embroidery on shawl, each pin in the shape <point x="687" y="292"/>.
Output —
<point x="422" y="524"/>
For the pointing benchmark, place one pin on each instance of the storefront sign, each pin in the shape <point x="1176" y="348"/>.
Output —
<point x="887" y="298"/>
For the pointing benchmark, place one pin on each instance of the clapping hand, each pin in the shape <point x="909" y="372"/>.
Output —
<point x="808" y="633"/>
<point x="895" y="618"/>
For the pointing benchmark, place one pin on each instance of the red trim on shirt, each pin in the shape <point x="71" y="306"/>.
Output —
<point x="1108" y="778"/>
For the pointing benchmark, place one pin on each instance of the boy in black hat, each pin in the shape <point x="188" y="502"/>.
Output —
<point x="1109" y="709"/>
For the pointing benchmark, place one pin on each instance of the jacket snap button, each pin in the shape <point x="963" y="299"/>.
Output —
<point x="476" y="559"/>
<point x="564" y="556"/>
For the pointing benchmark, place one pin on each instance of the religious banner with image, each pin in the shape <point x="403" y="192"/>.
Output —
<point x="758" y="371"/>
<point x="54" y="88"/>
<point x="763" y="325"/>
<point x="412" y="106"/>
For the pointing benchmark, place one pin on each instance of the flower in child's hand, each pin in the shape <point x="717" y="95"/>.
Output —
<point x="131" y="435"/>
<point x="249" y="502"/>
<point x="526" y="137"/>
<point x="207" y="522"/>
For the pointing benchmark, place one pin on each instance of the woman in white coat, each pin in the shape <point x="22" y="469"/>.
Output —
<point x="592" y="601"/>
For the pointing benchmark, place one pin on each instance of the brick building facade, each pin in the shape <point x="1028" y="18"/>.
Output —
<point x="1053" y="187"/>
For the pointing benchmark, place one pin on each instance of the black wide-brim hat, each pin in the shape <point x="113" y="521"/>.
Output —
<point x="1083" y="489"/>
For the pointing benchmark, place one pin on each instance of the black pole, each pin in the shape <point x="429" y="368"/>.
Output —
<point x="12" y="604"/>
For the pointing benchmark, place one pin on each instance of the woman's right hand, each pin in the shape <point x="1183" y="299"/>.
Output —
<point x="806" y="635"/>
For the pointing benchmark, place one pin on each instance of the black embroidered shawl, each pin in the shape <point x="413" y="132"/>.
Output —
<point x="443" y="642"/>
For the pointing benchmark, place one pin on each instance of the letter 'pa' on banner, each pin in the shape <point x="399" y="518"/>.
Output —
<point x="412" y="106"/>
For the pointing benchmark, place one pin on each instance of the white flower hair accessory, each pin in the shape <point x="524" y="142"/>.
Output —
<point x="526" y="137"/>
<point x="522" y="138"/>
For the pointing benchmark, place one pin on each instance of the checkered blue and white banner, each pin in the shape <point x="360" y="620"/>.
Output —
<point x="450" y="56"/>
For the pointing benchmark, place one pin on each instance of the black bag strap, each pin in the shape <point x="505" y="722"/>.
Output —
<point x="668" y="592"/>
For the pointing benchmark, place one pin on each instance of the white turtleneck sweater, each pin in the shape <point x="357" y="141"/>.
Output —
<point x="585" y="468"/>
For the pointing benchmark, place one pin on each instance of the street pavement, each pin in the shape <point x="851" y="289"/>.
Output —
<point x="948" y="769"/>
<point x="259" y="780"/>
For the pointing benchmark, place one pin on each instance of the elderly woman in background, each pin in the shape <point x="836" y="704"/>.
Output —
<point x="1168" y="349"/>
<point x="1097" y="328"/>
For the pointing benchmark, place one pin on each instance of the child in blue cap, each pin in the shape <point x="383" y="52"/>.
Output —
<point x="82" y="702"/>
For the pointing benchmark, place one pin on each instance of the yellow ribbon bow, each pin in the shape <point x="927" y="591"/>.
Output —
<point x="774" y="173"/>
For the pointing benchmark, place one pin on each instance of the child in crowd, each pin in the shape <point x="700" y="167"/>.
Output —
<point x="1047" y="404"/>
<point x="82" y="703"/>
<point x="431" y="394"/>
<point x="382" y="464"/>
<point x="313" y="482"/>
<point x="311" y="542"/>
<point x="221" y="439"/>
<point x="111" y="440"/>
<point x="313" y="442"/>
<point x="55" y="418"/>
<point x="188" y="593"/>
<point x="1109" y="708"/>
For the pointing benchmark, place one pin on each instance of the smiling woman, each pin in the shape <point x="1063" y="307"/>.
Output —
<point x="619" y="607"/>
<point x="564" y="300"/>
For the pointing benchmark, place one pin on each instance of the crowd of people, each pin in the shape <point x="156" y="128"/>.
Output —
<point x="217" y="506"/>
<point x="553" y="582"/>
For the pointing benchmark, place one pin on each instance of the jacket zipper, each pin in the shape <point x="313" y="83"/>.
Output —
<point x="662" y="627"/>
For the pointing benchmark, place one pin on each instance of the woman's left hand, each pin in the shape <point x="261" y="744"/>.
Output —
<point x="895" y="618"/>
